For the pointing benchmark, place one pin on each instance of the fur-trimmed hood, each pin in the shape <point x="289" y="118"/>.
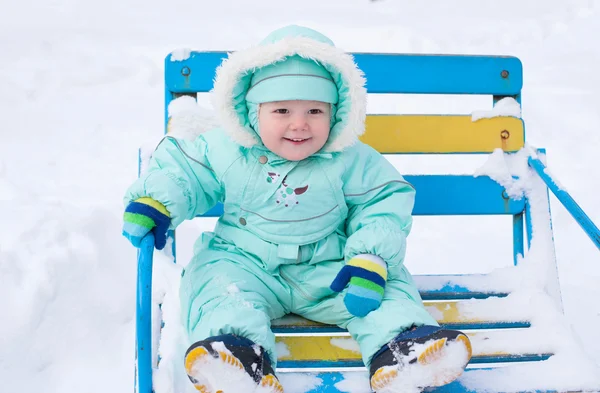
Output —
<point x="234" y="75"/>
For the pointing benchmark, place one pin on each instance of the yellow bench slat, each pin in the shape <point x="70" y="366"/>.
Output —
<point x="443" y="134"/>
<point x="494" y="343"/>
<point x="473" y="313"/>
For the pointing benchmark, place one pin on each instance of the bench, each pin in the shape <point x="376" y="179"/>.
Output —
<point x="508" y="325"/>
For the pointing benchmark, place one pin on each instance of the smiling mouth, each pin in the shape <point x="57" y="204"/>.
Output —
<point x="296" y="139"/>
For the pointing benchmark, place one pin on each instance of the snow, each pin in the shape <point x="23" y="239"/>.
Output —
<point x="411" y="377"/>
<point x="354" y="382"/>
<point x="181" y="54"/>
<point x="299" y="383"/>
<point x="213" y="372"/>
<point x="505" y="107"/>
<point x="560" y="372"/>
<point x="189" y="119"/>
<point x="560" y="186"/>
<point x="282" y="350"/>
<point x="170" y="377"/>
<point x="82" y="91"/>
<point x="503" y="171"/>
<point x="538" y="265"/>
<point x="345" y="343"/>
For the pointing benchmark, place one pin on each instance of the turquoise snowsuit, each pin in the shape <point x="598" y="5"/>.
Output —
<point x="288" y="226"/>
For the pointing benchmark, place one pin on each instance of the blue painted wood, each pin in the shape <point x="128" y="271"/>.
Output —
<point x="528" y="224"/>
<point x="168" y="98"/>
<point x="386" y="73"/>
<point x="330" y="379"/>
<point x="518" y="237"/>
<point x="461" y="195"/>
<point x="283" y="329"/>
<point x="193" y="75"/>
<point x="144" y="315"/>
<point x="456" y="292"/>
<point x="440" y="74"/>
<point x="216" y="211"/>
<point x="299" y="364"/>
<point x="450" y="195"/>
<point x="568" y="202"/>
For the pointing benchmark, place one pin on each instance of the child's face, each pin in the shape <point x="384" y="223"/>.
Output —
<point x="296" y="129"/>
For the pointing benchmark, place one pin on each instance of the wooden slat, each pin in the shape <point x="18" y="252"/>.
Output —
<point x="443" y="134"/>
<point x="336" y="351"/>
<point x="440" y="74"/>
<point x="461" y="195"/>
<point x="450" y="195"/>
<point x="202" y="68"/>
<point x="357" y="381"/>
<point x="461" y="286"/>
<point x="467" y="314"/>
<point x="385" y="73"/>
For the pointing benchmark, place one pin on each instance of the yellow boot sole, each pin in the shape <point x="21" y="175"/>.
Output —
<point x="434" y="352"/>
<point x="201" y="354"/>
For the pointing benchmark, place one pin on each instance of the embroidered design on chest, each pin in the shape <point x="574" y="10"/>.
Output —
<point x="286" y="194"/>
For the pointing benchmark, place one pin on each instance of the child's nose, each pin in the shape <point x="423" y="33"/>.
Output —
<point x="299" y="122"/>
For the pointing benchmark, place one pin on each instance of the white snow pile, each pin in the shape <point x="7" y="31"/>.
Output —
<point x="537" y="269"/>
<point x="534" y="286"/>
<point x="187" y="120"/>
<point x="345" y="343"/>
<point x="507" y="107"/>
<point x="181" y="54"/>
<point x="299" y="382"/>
<point x="411" y="378"/>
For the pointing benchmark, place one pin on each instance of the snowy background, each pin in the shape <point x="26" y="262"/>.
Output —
<point x="81" y="90"/>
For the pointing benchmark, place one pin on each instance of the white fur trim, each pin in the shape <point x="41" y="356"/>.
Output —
<point x="228" y="75"/>
<point x="187" y="119"/>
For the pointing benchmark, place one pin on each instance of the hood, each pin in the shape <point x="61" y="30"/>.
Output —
<point x="234" y="75"/>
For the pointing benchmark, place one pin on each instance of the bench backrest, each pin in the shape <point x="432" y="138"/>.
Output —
<point x="495" y="76"/>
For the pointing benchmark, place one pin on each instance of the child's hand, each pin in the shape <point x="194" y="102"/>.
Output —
<point x="142" y="216"/>
<point x="367" y="275"/>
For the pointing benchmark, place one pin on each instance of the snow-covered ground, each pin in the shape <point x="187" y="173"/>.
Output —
<point x="82" y="89"/>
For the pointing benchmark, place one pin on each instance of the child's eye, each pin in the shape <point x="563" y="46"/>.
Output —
<point x="282" y="111"/>
<point x="315" y="111"/>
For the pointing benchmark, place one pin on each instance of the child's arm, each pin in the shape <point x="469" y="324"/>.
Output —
<point x="380" y="204"/>
<point x="180" y="177"/>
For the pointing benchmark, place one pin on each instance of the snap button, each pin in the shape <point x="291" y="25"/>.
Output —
<point x="263" y="159"/>
<point x="242" y="221"/>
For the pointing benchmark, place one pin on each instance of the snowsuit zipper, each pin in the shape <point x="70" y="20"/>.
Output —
<point x="297" y="288"/>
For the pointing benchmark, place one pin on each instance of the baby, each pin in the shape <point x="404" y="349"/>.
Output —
<point x="315" y="222"/>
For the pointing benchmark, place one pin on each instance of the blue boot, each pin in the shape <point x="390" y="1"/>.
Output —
<point x="421" y="357"/>
<point x="229" y="363"/>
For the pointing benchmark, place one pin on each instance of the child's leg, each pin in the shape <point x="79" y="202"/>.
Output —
<point x="226" y="293"/>
<point x="230" y="363"/>
<point x="400" y="309"/>
<point x="388" y="335"/>
<point x="227" y="303"/>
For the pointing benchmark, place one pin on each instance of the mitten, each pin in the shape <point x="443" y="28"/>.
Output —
<point x="144" y="215"/>
<point x="367" y="275"/>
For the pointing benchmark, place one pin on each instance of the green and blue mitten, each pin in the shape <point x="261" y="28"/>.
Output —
<point x="144" y="215"/>
<point x="366" y="275"/>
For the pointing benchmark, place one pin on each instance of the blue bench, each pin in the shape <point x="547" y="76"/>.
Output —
<point x="481" y="304"/>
